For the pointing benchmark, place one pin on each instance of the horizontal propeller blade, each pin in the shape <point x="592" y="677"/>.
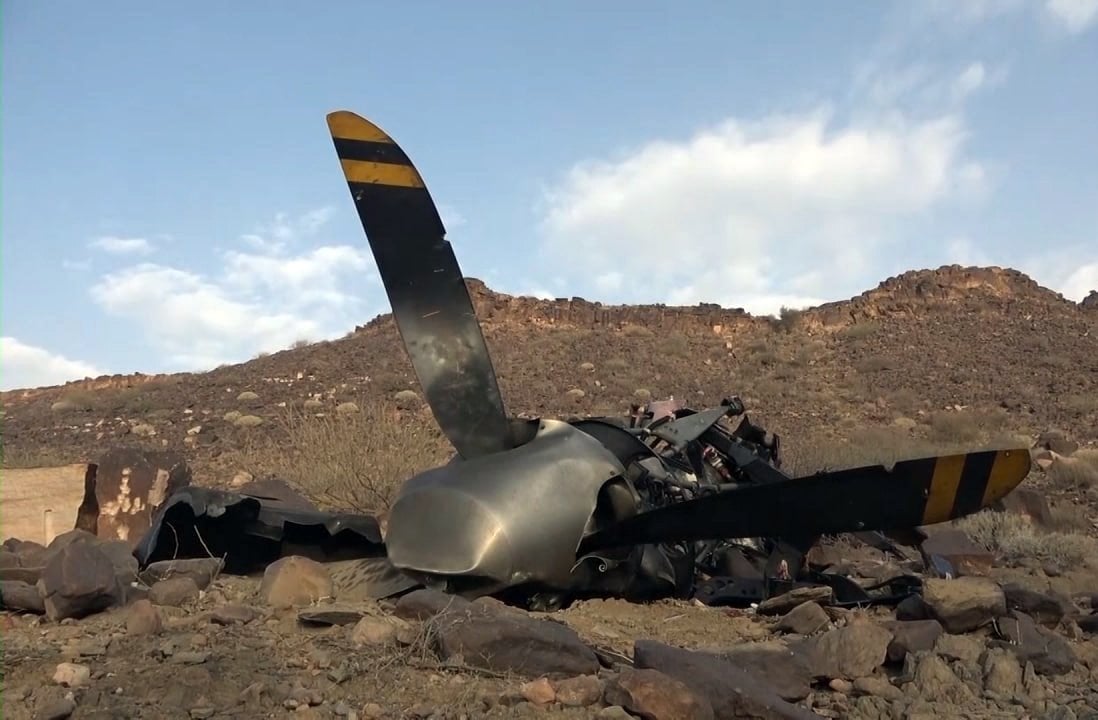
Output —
<point x="426" y="288"/>
<point x="916" y="492"/>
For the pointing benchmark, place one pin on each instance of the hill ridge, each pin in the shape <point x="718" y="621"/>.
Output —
<point x="899" y="295"/>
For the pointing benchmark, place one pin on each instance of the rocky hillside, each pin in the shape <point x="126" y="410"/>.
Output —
<point x="953" y="354"/>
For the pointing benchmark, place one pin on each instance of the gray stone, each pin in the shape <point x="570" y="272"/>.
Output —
<point x="652" y="694"/>
<point x="732" y="691"/>
<point x="963" y="604"/>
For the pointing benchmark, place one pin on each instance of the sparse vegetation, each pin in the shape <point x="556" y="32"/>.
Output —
<point x="354" y="460"/>
<point x="1073" y="473"/>
<point x="787" y="320"/>
<point x="860" y="330"/>
<point x="637" y="331"/>
<point x="969" y="425"/>
<point x="1014" y="538"/>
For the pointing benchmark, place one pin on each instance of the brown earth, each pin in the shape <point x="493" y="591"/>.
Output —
<point x="929" y="360"/>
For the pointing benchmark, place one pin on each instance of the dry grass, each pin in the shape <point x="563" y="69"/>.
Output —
<point x="1013" y="538"/>
<point x="34" y="457"/>
<point x="873" y="445"/>
<point x="352" y="461"/>
<point x="1073" y="473"/>
<point x="966" y="426"/>
<point x="860" y="330"/>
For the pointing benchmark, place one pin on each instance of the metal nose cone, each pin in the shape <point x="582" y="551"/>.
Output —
<point x="444" y="531"/>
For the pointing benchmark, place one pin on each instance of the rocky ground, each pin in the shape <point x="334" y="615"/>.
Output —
<point x="929" y="361"/>
<point x="98" y="638"/>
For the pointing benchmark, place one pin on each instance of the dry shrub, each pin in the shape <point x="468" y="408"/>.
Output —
<point x="675" y="344"/>
<point x="860" y="330"/>
<point x="637" y="331"/>
<point x="873" y="364"/>
<point x="1072" y="473"/>
<point x="20" y="457"/>
<point x="788" y="319"/>
<point x="354" y="461"/>
<point x="1080" y="403"/>
<point x="904" y="399"/>
<point x="873" y="445"/>
<point x="865" y="446"/>
<point x="616" y="365"/>
<point x="967" y="425"/>
<point x="1014" y="538"/>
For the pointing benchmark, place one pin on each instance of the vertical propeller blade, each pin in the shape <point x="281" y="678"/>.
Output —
<point x="429" y="298"/>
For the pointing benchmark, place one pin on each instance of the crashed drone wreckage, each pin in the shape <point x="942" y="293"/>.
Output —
<point x="663" y="502"/>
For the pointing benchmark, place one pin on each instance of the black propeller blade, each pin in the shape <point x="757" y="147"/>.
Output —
<point x="915" y="492"/>
<point x="426" y="289"/>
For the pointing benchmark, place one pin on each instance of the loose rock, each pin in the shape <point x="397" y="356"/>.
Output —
<point x="651" y="694"/>
<point x="294" y="581"/>
<point x="964" y="604"/>
<point x="79" y="580"/>
<point x="805" y="619"/>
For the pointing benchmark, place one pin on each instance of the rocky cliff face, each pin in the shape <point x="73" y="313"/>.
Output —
<point x="911" y="294"/>
<point x="904" y="295"/>
<point x="917" y="291"/>
<point x="496" y="309"/>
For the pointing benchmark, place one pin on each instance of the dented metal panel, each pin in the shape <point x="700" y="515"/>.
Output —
<point x="507" y="519"/>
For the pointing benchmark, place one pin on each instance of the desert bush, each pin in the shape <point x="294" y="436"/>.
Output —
<point x="80" y="400"/>
<point x="1072" y="473"/>
<point x="407" y="399"/>
<point x="352" y="461"/>
<point x="860" y="330"/>
<point x="872" y="445"/>
<point x="1014" y="538"/>
<point x="873" y="364"/>
<point x="616" y="365"/>
<point x="904" y="399"/>
<point x="1080" y="403"/>
<point x="637" y="331"/>
<point x="966" y="425"/>
<point x="675" y="344"/>
<point x="787" y="320"/>
<point x="757" y="346"/>
<point x="863" y="446"/>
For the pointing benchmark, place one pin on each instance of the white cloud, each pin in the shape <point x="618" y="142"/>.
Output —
<point x="311" y="278"/>
<point x="277" y="235"/>
<point x="450" y="217"/>
<point x="1076" y="16"/>
<point x="28" y="366"/>
<point x="122" y="246"/>
<point x="969" y="81"/>
<point x="1080" y="282"/>
<point x="785" y="210"/>
<point x="260" y="301"/>
<point x="963" y="251"/>
<point x="197" y="322"/>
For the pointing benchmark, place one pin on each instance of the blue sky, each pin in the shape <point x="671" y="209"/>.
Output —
<point x="171" y="199"/>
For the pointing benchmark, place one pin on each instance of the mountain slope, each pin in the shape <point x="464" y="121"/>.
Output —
<point x="906" y="354"/>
